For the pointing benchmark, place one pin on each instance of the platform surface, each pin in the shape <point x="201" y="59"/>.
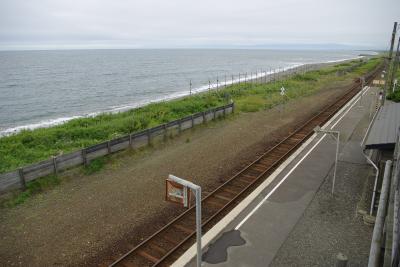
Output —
<point x="296" y="221"/>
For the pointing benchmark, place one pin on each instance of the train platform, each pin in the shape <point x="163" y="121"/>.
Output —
<point x="292" y="218"/>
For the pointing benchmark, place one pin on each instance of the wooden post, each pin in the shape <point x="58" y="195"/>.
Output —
<point x="204" y="117"/>
<point x="148" y="136"/>
<point x="165" y="131"/>
<point x="179" y="125"/>
<point x="22" y="178"/>
<point x="108" y="147"/>
<point x="224" y="111"/>
<point x="191" y="116"/>
<point x="233" y="107"/>
<point x="84" y="159"/>
<point x="130" y="140"/>
<point x="55" y="165"/>
<point x="214" y="113"/>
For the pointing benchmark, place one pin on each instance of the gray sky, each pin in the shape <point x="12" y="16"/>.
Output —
<point x="42" y="24"/>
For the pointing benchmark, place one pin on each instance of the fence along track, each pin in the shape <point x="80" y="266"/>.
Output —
<point x="18" y="178"/>
<point x="167" y="244"/>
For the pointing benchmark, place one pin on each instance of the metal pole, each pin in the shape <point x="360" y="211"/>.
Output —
<point x="225" y="80"/>
<point x="198" y="225"/>
<point x="265" y="76"/>
<point x="390" y="59"/>
<point x="197" y="190"/>
<point x="274" y="75"/>
<point x="333" y="134"/>
<point x="377" y="236"/>
<point x="396" y="209"/>
<point x="336" y="161"/>
<point x="368" y="158"/>
<point x="361" y="94"/>
<point x="270" y="74"/>
<point x="395" y="64"/>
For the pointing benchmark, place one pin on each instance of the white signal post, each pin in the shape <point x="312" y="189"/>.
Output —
<point x="185" y="195"/>
<point x="283" y="93"/>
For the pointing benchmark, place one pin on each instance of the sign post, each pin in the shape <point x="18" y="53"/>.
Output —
<point x="336" y="136"/>
<point x="177" y="192"/>
<point x="283" y="93"/>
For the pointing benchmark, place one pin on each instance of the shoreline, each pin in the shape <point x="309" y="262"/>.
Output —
<point x="29" y="147"/>
<point x="213" y="86"/>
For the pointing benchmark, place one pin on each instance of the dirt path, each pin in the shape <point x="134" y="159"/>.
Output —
<point x="90" y="218"/>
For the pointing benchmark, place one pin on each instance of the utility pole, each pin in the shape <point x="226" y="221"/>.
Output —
<point x="389" y="60"/>
<point x="395" y="65"/>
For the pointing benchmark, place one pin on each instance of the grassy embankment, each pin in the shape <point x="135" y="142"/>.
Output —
<point x="32" y="146"/>
<point x="28" y="147"/>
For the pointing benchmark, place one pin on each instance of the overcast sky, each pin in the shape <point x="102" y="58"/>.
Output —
<point x="42" y="24"/>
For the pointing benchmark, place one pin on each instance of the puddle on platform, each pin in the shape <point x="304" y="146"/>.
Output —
<point x="218" y="251"/>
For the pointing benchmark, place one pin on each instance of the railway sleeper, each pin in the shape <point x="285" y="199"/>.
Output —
<point x="249" y="178"/>
<point x="182" y="228"/>
<point x="171" y="238"/>
<point x="222" y="197"/>
<point x="148" y="255"/>
<point x="159" y="247"/>
<point x="232" y="190"/>
<point x="215" y="202"/>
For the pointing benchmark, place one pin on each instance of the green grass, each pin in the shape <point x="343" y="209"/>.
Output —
<point x="28" y="147"/>
<point x="32" y="188"/>
<point x="395" y="96"/>
<point x="94" y="166"/>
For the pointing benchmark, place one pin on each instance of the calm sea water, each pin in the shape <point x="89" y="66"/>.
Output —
<point x="42" y="88"/>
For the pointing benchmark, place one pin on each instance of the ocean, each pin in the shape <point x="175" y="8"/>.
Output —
<point x="44" y="88"/>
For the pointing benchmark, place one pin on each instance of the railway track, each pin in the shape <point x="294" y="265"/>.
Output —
<point x="167" y="244"/>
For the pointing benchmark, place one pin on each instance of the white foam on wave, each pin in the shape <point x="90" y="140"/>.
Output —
<point x="177" y="95"/>
<point x="42" y="124"/>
